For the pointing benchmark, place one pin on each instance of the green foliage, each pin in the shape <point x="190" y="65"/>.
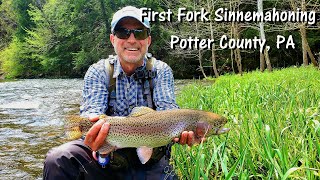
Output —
<point x="274" y="120"/>
<point x="7" y="23"/>
<point x="20" y="8"/>
<point x="63" y="38"/>
<point x="69" y="36"/>
<point x="9" y="59"/>
<point x="16" y="61"/>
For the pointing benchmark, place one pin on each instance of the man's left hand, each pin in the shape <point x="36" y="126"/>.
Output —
<point x="188" y="137"/>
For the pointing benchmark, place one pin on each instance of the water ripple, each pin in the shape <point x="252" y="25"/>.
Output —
<point x="31" y="122"/>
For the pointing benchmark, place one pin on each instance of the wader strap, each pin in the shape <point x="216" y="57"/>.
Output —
<point x="112" y="81"/>
<point x="148" y="85"/>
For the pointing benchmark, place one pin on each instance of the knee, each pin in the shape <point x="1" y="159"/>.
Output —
<point x="58" y="159"/>
<point x="53" y="156"/>
<point x="66" y="152"/>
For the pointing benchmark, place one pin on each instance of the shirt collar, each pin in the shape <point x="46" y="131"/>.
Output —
<point x="118" y="69"/>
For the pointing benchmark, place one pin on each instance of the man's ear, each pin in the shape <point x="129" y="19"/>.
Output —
<point x="112" y="38"/>
<point x="149" y="41"/>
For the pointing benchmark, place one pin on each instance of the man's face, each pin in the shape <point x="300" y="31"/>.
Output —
<point x="130" y="50"/>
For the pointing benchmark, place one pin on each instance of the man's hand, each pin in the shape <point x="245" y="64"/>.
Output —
<point x="94" y="118"/>
<point x="188" y="137"/>
<point x="97" y="134"/>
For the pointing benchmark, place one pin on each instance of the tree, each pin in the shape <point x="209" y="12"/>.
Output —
<point x="306" y="51"/>
<point x="264" y="56"/>
<point x="211" y="8"/>
<point x="63" y="38"/>
<point x="69" y="35"/>
<point x="15" y="57"/>
<point x="8" y="23"/>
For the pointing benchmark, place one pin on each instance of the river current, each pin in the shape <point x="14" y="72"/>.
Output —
<point x="31" y="122"/>
<point x="32" y="114"/>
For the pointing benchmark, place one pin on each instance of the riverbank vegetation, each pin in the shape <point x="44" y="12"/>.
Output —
<point x="275" y="127"/>
<point x="61" y="38"/>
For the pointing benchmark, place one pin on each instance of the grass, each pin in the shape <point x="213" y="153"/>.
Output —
<point x="275" y="127"/>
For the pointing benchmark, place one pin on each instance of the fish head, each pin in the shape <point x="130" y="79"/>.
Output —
<point x="76" y="126"/>
<point x="211" y="124"/>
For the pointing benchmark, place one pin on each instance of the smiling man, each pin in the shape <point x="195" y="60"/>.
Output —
<point x="113" y="87"/>
<point x="130" y="40"/>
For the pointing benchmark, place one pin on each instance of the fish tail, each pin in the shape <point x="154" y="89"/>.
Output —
<point x="73" y="126"/>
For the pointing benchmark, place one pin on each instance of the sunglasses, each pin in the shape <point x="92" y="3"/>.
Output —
<point x="139" y="34"/>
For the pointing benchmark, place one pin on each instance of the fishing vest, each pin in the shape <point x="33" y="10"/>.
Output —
<point x="144" y="76"/>
<point x="123" y="159"/>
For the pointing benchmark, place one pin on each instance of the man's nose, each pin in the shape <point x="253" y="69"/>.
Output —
<point x="131" y="37"/>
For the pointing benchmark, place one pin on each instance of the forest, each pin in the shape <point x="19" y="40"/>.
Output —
<point x="62" y="38"/>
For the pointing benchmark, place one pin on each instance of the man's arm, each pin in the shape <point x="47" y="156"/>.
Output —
<point x="95" y="103"/>
<point x="163" y="91"/>
<point x="95" y="91"/>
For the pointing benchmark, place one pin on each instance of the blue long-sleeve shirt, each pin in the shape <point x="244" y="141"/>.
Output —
<point x="129" y="92"/>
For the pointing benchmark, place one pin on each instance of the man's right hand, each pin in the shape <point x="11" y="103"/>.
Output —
<point x="96" y="134"/>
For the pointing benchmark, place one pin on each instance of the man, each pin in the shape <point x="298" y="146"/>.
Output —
<point x="78" y="159"/>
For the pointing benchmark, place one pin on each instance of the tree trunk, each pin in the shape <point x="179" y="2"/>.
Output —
<point x="264" y="56"/>
<point x="238" y="57"/>
<point x="199" y="52"/>
<point x="262" y="62"/>
<point x="306" y="51"/>
<point x="200" y="63"/>
<point x="303" y="35"/>
<point x="235" y="35"/>
<point x="306" y="48"/>
<point x="237" y="50"/>
<point x="262" y="36"/>
<point x="213" y="49"/>
<point x="214" y="65"/>
<point x="304" y="45"/>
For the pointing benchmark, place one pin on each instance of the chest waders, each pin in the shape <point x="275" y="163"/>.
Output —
<point x="123" y="159"/>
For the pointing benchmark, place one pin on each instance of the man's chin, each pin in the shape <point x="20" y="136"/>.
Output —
<point x="133" y="59"/>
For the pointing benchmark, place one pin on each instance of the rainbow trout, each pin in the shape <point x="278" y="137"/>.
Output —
<point x="146" y="128"/>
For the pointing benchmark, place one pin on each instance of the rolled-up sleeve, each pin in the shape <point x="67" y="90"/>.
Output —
<point x="164" y="97"/>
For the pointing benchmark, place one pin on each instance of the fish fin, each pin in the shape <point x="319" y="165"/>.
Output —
<point x="144" y="154"/>
<point x="138" y="111"/>
<point x="73" y="126"/>
<point x="222" y="130"/>
<point x="106" y="148"/>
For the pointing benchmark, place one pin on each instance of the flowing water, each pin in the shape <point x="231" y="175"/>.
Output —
<point x="32" y="112"/>
<point x="31" y="122"/>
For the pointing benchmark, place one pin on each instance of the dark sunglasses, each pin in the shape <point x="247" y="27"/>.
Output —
<point x="124" y="33"/>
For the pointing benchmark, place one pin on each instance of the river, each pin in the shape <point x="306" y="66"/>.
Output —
<point x="32" y="113"/>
